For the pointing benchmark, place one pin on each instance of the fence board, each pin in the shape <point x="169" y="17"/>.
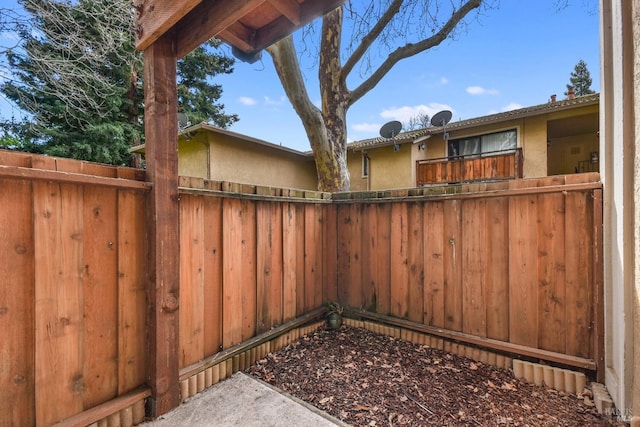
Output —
<point x="299" y="245"/>
<point x="17" y="323"/>
<point x="132" y="269"/>
<point x="523" y="271"/>
<point x="212" y="275"/>
<point x="369" y="248"/>
<point x="192" y="280"/>
<point x="578" y="256"/>
<point x="58" y="295"/>
<point x="289" y="261"/>
<point x="269" y="267"/>
<point x="415" y="258"/>
<point x="329" y="258"/>
<point x="231" y="273"/>
<point x="313" y="257"/>
<point x="434" y="264"/>
<point x="381" y="267"/>
<point x="399" y="295"/>
<point x="474" y="264"/>
<point x="551" y="272"/>
<point x="100" y="295"/>
<point x="248" y="269"/>
<point x="349" y="262"/>
<point x="452" y="265"/>
<point x="497" y="273"/>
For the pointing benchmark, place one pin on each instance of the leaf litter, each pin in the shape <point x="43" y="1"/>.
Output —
<point x="367" y="379"/>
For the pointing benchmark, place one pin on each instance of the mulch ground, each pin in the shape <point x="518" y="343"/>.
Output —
<point x="366" y="379"/>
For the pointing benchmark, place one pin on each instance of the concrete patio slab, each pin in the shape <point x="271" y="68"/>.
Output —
<point x="242" y="400"/>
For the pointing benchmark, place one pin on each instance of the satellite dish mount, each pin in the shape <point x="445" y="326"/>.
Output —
<point x="390" y="130"/>
<point x="441" y="119"/>
<point x="183" y="121"/>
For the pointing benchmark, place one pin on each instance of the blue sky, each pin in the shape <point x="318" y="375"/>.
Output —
<point x="512" y="57"/>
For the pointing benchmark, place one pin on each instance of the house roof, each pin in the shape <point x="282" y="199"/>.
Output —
<point x="192" y="130"/>
<point x="410" y="136"/>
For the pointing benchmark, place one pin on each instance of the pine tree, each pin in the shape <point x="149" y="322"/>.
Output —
<point x="78" y="76"/>
<point x="580" y="80"/>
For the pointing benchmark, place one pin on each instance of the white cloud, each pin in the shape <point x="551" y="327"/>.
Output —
<point x="275" y="102"/>
<point x="512" y="106"/>
<point x="245" y="100"/>
<point x="479" y="90"/>
<point x="444" y="80"/>
<point x="405" y="113"/>
<point x="366" y="127"/>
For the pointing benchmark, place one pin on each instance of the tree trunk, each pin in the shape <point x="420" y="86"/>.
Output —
<point x="326" y="128"/>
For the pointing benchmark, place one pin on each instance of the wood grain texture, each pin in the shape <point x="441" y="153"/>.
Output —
<point x="434" y="264"/>
<point x="17" y="306"/>
<point x="100" y="253"/>
<point x="132" y="296"/>
<point x="474" y="264"/>
<point x="191" y="280"/>
<point x="212" y="275"/>
<point x="399" y="268"/>
<point x="452" y="236"/>
<point x="552" y="296"/>
<point x="523" y="271"/>
<point x="497" y="272"/>
<point x="58" y="301"/>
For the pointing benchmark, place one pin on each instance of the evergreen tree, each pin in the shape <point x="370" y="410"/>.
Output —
<point x="78" y="76"/>
<point x="580" y="80"/>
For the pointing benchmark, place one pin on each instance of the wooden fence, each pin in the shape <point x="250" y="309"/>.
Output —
<point x="72" y="297"/>
<point x="513" y="266"/>
<point x="247" y="266"/>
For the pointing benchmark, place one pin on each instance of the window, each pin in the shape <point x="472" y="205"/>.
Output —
<point x="365" y="165"/>
<point x="483" y="145"/>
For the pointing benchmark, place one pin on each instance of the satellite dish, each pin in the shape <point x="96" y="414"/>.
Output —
<point x="391" y="129"/>
<point x="183" y="121"/>
<point x="441" y="118"/>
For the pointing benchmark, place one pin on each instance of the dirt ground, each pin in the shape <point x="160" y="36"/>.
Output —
<point x="366" y="379"/>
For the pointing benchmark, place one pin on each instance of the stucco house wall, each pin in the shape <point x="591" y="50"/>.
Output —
<point x="205" y="151"/>
<point x="562" y="133"/>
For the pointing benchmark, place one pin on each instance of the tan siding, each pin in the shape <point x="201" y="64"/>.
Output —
<point x="236" y="160"/>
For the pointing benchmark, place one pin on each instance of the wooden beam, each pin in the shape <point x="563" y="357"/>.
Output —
<point x="19" y="172"/>
<point x="504" y="346"/>
<point x="220" y="19"/>
<point x="106" y="409"/>
<point x="208" y="20"/>
<point x="271" y="334"/>
<point x="156" y="17"/>
<point x="161" y="131"/>
<point x="289" y="8"/>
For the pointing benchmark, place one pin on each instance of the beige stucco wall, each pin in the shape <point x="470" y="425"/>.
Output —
<point x="193" y="157"/>
<point x="620" y="173"/>
<point x="236" y="160"/>
<point x="388" y="169"/>
<point x="220" y="157"/>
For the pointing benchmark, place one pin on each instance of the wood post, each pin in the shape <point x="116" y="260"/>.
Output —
<point x="161" y="130"/>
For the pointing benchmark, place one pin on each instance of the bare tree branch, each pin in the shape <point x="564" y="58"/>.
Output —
<point x="371" y="37"/>
<point x="411" y="49"/>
